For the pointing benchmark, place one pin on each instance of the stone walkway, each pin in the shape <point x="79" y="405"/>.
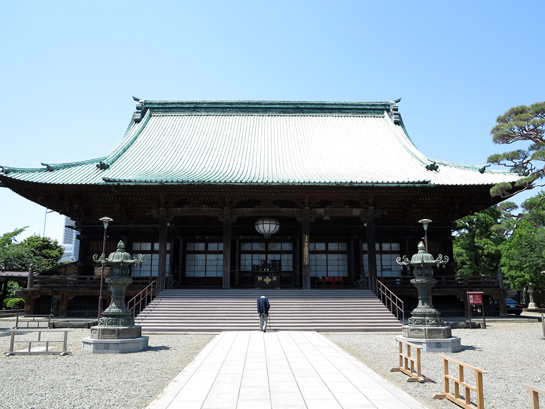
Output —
<point x="285" y="369"/>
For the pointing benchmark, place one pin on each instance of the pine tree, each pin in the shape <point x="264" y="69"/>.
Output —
<point x="522" y="124"/>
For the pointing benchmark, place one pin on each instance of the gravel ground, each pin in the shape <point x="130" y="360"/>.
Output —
<point x="513" y="354"/>
<point x="85" y="380"/>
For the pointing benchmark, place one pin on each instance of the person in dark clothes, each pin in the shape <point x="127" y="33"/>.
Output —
<point x="263" y="311"/>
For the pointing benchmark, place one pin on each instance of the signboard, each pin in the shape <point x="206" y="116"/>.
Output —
<point x="306" y="250"/>
<point x="98" y="271"/>
<point x="475" y="299"/>
<point x="267" y="280"/>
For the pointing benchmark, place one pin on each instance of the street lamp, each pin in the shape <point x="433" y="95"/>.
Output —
<point x="105" y="221"/>
<point x="425" y="222"/>
<point x="47" y="211"/>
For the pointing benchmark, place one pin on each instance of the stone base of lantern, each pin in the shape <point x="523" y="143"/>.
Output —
<point x="115" y="340"/>
<point x="114" y="346"/>
<point x="100" y="332"/>
<point x="426" y="332"/>
<point x="431" y="339"/>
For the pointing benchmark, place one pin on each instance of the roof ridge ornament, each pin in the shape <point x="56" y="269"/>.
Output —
<point x="138" y="113"/>
<point x="432" y="166"/>
<point x="394" y="111"/>
<point x="483" y="169"/>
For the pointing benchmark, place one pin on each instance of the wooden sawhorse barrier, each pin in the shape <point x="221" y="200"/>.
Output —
<point x="534" y="395"/>
<point x="29" y="350"/>
<point x="408" y="363"/>
<point x="31" y="321"/>
<point x="455" y="397"/>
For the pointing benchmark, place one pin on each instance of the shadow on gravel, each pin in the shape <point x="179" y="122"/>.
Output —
<point x="158" y="348"/>
<point x="469" y="348"/>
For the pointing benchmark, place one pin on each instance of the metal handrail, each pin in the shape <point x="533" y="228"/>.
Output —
<point x="388" y="298"/>
<point x="141" y="300"/>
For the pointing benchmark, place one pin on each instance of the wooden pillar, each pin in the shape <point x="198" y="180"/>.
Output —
<point x="181" y="267"/>
<point x="63" y="304"/>
<point x="296" y="261"/>
<point x="352" y="254"/>
<point x="371" y="251"/>
<point x="226" y="247"/>
<point x="306" y="249"/>
<point x="467" y="310"/>
<point x="237" y="261"/>
<point x="162" y="242"/>
<point x="30" y="280"/>
<point x="501" y="297"/>
<point x="406" y="249"/>
<point x="4" y="290"/>
<point x="30" y="303"/>
<point x="360" y="274"/>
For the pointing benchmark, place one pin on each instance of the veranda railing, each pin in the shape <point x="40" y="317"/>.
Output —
<point x="81" y="281"/>
<point x="444" y="281"/>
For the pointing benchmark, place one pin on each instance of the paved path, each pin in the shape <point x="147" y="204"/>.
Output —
<point x="285" y="369"/>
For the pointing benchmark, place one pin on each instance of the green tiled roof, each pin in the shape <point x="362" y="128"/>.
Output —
<point x="252" y="142"/>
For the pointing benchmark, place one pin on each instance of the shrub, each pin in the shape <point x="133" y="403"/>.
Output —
<point x="15" y="303"/>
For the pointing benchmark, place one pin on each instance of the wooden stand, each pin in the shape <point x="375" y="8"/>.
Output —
<point x="534" y="395"/>
<point x="455" y="397"/>
<point x="47" y="342"/>
<point x="407" y="363"/>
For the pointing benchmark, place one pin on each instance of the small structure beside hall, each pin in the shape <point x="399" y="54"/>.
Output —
<point x="116" y="332"/>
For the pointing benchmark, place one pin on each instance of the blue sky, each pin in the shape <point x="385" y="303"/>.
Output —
<point x="69" y="70"/>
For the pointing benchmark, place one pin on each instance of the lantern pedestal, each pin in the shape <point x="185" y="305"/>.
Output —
<point x="426" y="327"/>
<point x="451" y="344"/>
<point x="531" y="305"/>
<point x="114" y="346"/>
<point x="116" y="332"/>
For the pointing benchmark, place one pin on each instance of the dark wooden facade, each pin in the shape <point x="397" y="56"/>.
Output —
<point x="175" y="216"/>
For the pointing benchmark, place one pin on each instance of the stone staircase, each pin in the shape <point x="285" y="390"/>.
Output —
<point x="188" y="310"/>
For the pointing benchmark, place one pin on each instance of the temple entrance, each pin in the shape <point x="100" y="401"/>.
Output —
<point x="267" y="264"/>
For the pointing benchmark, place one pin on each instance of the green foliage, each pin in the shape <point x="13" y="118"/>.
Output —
<point x="32" y="254"/>
<point x="520" y="124"/>
<point x="14" y="303"/>
<point x="495" y="236"/>
<point x="49" y="250"/>
<point x="8" y="238"/>
<point x="12" y="287"/>
<point x="523" y="256"/>
<point x="501" y="189"/>
<point x="526" y="181"/>
<point x="477" y="245"/>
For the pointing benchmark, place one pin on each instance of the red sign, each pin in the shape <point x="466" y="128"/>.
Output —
<point x="475" y="299"/>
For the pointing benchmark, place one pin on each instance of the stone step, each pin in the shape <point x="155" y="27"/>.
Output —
<point x="235" y="310"/>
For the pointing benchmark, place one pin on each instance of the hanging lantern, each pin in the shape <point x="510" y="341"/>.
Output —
<point x="267" y="226"/>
